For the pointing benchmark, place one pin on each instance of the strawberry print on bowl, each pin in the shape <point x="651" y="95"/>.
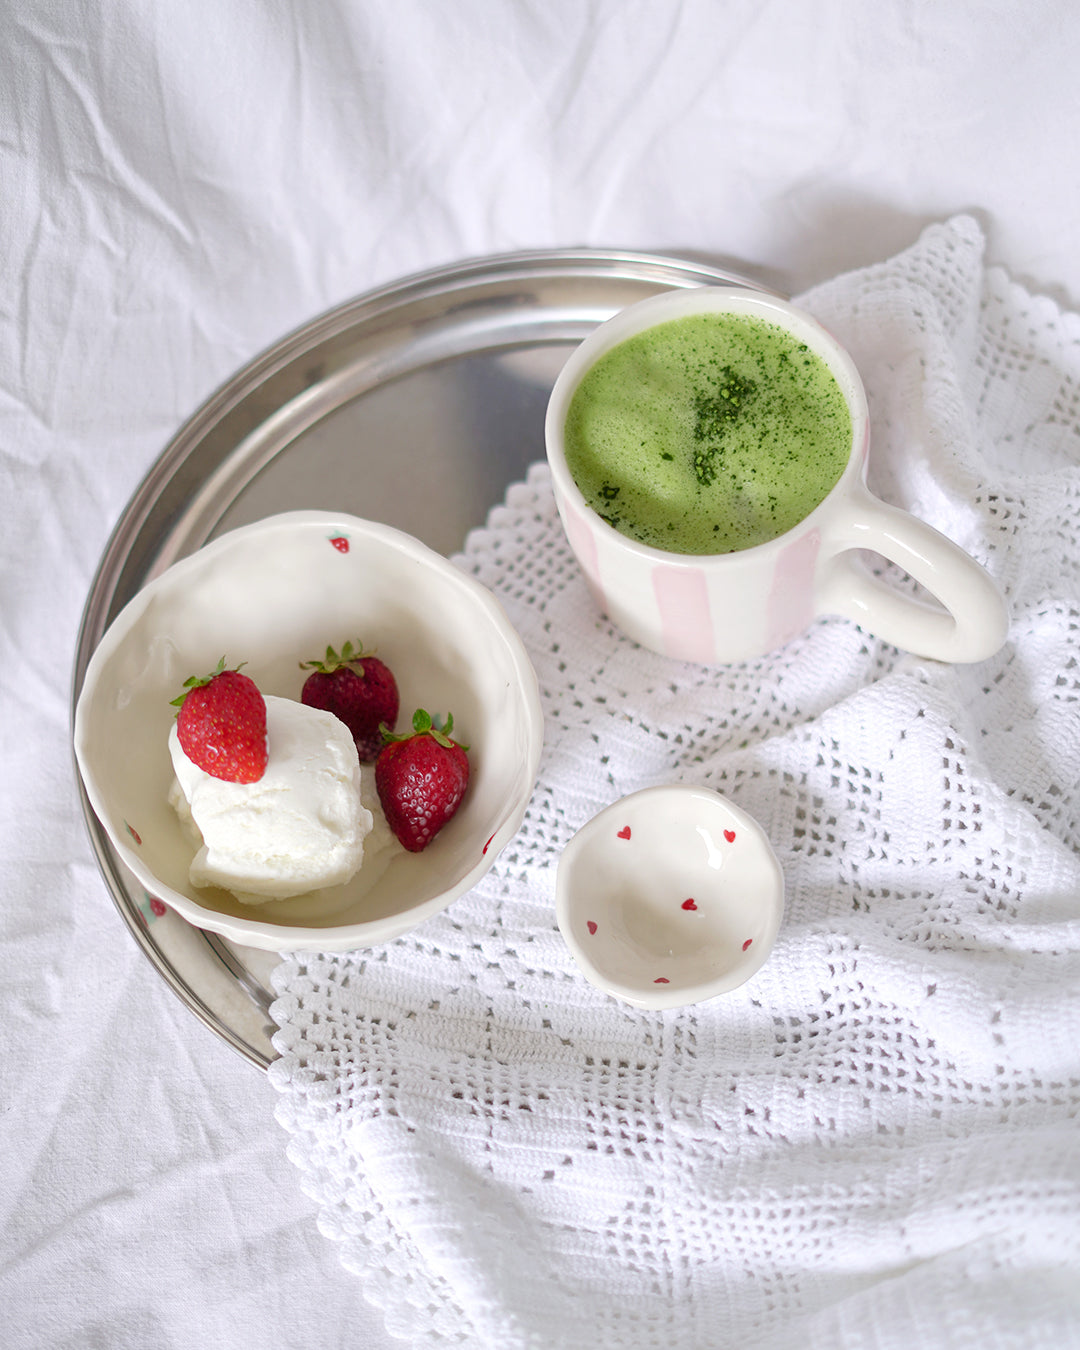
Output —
<point x="670" y="896"/>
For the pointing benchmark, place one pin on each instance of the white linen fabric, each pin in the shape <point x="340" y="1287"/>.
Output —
<point x="872" y="1143"/>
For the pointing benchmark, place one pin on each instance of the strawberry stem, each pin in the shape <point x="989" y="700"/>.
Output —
<point x="423" y="724"/>
<point x="197" y="681"/>
<point x="349" y="656"/>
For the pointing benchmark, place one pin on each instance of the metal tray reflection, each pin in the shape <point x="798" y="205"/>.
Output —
<point x="416" y="404"/>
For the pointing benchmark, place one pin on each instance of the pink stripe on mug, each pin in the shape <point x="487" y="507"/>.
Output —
<point x="582" y="541"/>
<point x="682" y="598"/>
<point x="790" y="607"/>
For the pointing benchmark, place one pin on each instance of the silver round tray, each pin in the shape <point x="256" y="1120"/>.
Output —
<point x="416" y="404"/>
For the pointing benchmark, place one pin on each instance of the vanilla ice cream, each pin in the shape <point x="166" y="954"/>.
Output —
<point x="300" y="828"/>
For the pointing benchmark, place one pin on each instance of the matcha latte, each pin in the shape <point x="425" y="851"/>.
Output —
<point x="707" y="434"/>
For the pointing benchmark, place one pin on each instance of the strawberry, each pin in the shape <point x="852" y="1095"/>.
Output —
<point x="421" y="778"/>
<point x="357" y="688"/>
<point x="222" y="725"/>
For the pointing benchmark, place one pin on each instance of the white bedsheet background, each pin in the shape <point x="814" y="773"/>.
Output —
<point x="179" y="185"/>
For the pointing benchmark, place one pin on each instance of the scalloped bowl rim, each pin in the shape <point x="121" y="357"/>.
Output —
<point x="647" y="804"/>
<point x="488" y="619"/>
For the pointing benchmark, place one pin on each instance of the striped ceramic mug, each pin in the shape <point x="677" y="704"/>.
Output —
<point x="738" y="605"/>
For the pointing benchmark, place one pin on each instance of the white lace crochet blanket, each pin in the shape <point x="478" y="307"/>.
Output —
<point x="874" y="1142"/>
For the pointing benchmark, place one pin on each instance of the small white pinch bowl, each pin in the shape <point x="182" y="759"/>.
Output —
<point x="669" y="896"/>
<point x="274" y="594"/>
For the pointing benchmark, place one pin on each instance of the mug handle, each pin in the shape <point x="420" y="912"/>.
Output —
<point x="970" y="623"/>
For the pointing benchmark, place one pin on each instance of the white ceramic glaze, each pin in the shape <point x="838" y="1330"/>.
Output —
<point x="670" y="896"/>
<point x="736" y="606"/>
<point x="273" y="594"/>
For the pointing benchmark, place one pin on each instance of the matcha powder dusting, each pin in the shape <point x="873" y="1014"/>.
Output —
<point x="713" y="416"/>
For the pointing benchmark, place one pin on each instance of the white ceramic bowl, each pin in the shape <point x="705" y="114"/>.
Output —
<point x="669" y="896"/>
<point x="272" y="594"/>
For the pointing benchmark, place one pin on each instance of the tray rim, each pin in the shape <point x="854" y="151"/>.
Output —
<point x="445" y="278"/>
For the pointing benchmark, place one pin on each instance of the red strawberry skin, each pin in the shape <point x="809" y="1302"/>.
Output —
<point x="420" y="784"/>
<point x="361" y="692"/>
<point x="221" y="727"/>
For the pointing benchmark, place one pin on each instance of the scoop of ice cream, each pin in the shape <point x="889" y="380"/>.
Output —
<point x="300" y="828"/>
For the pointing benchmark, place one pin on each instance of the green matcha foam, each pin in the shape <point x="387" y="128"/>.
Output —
<point x="707" y="434"/>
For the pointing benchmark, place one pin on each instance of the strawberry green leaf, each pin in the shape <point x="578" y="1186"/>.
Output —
<point x="350" y="656"/>
<point x="197" y="681"/>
